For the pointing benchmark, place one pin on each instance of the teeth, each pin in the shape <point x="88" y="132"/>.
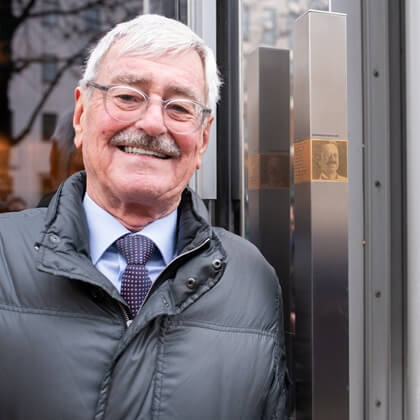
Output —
<point x="140" y="151"/>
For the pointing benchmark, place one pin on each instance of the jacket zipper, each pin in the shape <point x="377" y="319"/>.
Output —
<point x="126" y="318"/>
<point x="124" y="314"/>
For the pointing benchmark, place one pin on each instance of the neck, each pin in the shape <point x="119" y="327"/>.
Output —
<point x="136" y="215"/>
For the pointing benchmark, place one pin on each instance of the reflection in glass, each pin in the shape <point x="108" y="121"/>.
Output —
<point x="49" y="120"/>
<point x="43" y="46"/>
<point x="269" y="26"/>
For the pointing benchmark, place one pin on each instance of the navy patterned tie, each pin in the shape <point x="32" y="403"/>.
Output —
<point x="137" y="250"/>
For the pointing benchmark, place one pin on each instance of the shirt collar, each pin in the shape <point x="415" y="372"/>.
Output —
<point x="163" y="233"/>
<point x="105" y="229"/>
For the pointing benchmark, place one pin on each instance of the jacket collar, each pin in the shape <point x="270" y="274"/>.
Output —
<point x="193" y="226"/>
<point x="64" y="241"/>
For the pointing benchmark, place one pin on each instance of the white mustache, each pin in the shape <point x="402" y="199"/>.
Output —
<point x="135" y="138"/>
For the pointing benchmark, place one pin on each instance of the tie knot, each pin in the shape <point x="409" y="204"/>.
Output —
<point x="137" y="249"/>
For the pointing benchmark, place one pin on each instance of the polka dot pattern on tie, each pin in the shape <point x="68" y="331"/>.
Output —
<point x="137" y="250"/>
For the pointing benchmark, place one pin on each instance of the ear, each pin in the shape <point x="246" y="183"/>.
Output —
<point x="204" y="141"/>
<point x="79" y="116"/>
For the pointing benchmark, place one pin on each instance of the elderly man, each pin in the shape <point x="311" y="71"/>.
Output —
<point x="120" y="301"/>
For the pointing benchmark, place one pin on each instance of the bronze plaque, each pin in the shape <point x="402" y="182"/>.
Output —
<point x="268" y="171"/>
<point x="302" y="161"/>
<point x="320" y="160"/>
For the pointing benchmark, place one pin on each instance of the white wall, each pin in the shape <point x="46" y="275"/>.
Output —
<point x="413" y="208"/>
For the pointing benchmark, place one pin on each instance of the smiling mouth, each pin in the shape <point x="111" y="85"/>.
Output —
<point x="144" y="152"/>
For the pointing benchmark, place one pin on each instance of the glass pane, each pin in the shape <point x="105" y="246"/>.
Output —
<point x="41" y="58"/>
<point x="269" y="26"/>
<point x="49" y="121"/>
<point x="92" y="18"/>
<point x="49" y="70"/>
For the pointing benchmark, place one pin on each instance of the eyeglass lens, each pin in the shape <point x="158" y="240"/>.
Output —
<point x="128" y="105"/>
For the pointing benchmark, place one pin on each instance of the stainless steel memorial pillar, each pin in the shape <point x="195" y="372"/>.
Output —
<point x="268" y="147"/>
<point x="320" y="187"/>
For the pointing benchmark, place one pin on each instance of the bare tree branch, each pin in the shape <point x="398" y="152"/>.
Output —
<point x="25" y="12"/>
<point x="68" y="63"/>
<point x="73" y="11"/>
<point x="41" y="103"/>
<point x="21" y="64"/>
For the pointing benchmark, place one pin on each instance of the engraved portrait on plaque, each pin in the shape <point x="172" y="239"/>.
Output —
<point x="329" y="160"/>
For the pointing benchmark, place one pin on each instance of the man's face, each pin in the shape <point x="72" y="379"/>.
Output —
<point x="329" y="160"/>
<point x="114" y="175"/>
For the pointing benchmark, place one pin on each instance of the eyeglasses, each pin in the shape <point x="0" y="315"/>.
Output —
<point x="128" y="104"/>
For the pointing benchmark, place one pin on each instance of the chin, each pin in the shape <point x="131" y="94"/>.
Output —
<point x="144" y="192"/>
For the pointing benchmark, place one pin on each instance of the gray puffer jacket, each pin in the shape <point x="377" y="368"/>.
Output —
<point x="207" y="344"/>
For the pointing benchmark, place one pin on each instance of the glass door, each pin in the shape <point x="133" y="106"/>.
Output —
<point x="43" y="48"/>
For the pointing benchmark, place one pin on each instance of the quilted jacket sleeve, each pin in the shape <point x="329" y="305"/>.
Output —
<point x="276" y="407"/>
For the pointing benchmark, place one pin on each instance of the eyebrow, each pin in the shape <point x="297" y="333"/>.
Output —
<point x="130" y="79"/>
<point x="145" y="82"/>
<point x="176" y="90"/>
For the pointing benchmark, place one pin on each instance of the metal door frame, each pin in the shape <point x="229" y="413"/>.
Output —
<point x="377" y="237"/>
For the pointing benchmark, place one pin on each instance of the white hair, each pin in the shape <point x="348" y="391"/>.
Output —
<point x="156" y="35"/>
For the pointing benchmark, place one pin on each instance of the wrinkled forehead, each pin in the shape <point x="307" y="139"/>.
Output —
<point x="186" y="68"/>
<point x="121" y="48"/>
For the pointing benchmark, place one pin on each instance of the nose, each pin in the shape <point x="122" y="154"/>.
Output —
<point x="152" y="121"/>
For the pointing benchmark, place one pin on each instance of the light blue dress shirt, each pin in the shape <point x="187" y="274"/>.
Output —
<point x="105" y="229"/>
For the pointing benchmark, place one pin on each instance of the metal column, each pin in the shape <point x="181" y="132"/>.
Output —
<point x="268" y="126"/>
<point x="413" y="210"/>
<point x="321" y="207"/>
